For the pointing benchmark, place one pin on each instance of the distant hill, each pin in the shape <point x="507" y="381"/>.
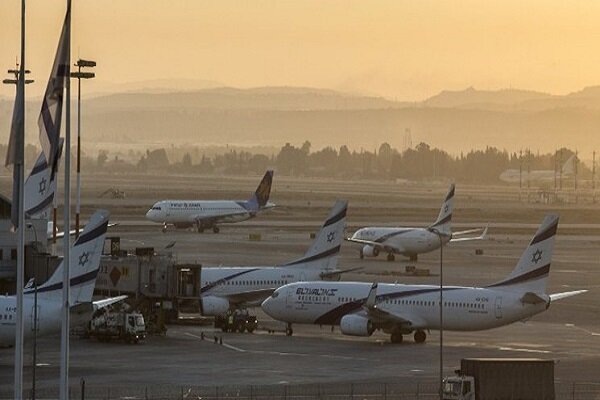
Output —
<point x="271" y="116"/>
<point x="485" y="99"/>
<point x="225" y="98"/>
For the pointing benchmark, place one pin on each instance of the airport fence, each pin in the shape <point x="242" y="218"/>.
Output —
<point x="415" y="390"/>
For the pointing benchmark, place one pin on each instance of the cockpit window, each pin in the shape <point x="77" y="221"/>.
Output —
<point x="156" y="208"/>
<point x="275" y="294"/>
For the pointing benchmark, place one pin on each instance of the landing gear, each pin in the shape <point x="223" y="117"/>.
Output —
<point x="414" y="257"/>
<point x="200" y="229"/>
<point x="164" y="228"/>
<point x="390" y="257"/>
<point x="288" y="330"/>
<point x="396" y="337"/>
<point x="215" y="229"/>
<point x="420" y="336"/>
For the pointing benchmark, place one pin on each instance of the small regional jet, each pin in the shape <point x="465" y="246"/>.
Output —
<point x="206" y="214"/>
<point x="84" y="265"/>
<point x="413" y="241"/>
<point x="234" y="288"/>
<point x="539" y="175"/>
<point x="361" y="308"/>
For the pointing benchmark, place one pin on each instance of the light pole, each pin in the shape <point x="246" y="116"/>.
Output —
<point x="15" y="157"/>
<point x="79" y="76"/>
<point x="35" y="319"/>
<point x="440" y="236"/>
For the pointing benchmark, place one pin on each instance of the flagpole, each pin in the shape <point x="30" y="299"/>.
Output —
<point x="18" y="388"/>
<point x="64" y="343"/>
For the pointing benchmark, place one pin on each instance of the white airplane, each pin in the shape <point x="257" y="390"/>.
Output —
<point x="413" y="241"/>
<point x="544" y="175"/>
<point x="361" y="308"/>
<point x="229" y="288"/>
<point x="84" y="265"/>
<point x="205" y="214"/>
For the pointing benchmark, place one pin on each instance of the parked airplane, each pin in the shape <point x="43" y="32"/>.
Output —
<point x="205" y="214"/>
<point x="544" y="175"/>
<point x="413" y="241"/>
<point x="361" y="308"/>
<point x="84" y="264"/>
<point x="229" y="288"/>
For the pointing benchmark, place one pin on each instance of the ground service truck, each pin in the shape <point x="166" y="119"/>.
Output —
<point x="118" y="325"/>
<point x="501" y="378"/>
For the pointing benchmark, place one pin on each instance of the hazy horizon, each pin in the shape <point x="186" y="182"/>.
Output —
<point x="400" y="50"/>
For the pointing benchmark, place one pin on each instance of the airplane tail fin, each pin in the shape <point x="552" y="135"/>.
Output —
<point x="261" y="196"/>
<point x="533" y="268"/>
<point x="325" y="249"/>
<point x="444" y="219"/>
<point x="84" y="263"/>
<point x="40" y="186"/>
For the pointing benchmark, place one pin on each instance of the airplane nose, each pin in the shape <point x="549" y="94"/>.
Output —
<point x="268" y="307"/>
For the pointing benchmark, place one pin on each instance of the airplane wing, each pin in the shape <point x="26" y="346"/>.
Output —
<point x="250" y="296"/>
<point x="337" y="272"/>
<point x="376" y="314"/>
<point x="465" y="239"/>
<point x="72" y="232"/>
<point x="564" y="295"/>
<point x="380" y="246"/>
<point x="98" y="304"/>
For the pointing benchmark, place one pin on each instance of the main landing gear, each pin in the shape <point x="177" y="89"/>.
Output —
<point x="414" y="257"/>
<point x="391" y="257"/>
<point x="420" y="336"/>
<point x="201" y="228"/>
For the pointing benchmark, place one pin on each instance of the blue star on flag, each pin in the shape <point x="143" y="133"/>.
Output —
<point x="84" y="258"/>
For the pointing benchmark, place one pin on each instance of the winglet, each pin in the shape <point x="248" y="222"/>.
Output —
<point x="564" y="295"/>
<point x="370" y="301"/>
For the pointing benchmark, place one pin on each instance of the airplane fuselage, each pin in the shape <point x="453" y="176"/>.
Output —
<point x="228" y="282"/>
<point x="465" y="308"/>
<point x="404" y="241"/>
<point x="48" y="318"/>
<point x="194" y="211"/>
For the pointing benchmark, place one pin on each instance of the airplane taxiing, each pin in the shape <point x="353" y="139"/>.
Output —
<point x="361" y="308"/>
<point x="206" y="214"/>
<point x="84" y="265"/>
<point x="413" y="241"/>
<point x="229" y="288"/>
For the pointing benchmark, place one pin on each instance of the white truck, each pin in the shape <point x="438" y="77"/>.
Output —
<point x="501" y="378"/>
<point x="118" y="325"/>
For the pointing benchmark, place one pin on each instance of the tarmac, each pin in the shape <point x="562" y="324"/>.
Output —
<point x="568" y="332"/>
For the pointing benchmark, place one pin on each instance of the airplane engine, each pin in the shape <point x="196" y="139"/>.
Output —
<point x="370" y="251"/>
<point x="356" y="325"/>
<point x="212" y="305"/>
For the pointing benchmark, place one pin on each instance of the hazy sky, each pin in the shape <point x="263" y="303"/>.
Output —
<point x="407" y="50"/>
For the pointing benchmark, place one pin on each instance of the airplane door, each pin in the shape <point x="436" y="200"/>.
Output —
<point x="289" y="300"/>
<point x="498" y="307"/>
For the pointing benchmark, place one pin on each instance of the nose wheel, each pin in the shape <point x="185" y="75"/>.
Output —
<point x="288" y="330"/>
<point x="215" y="229"/>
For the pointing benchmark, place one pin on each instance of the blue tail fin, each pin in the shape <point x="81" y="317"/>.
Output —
<point x="261" y="196"/>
